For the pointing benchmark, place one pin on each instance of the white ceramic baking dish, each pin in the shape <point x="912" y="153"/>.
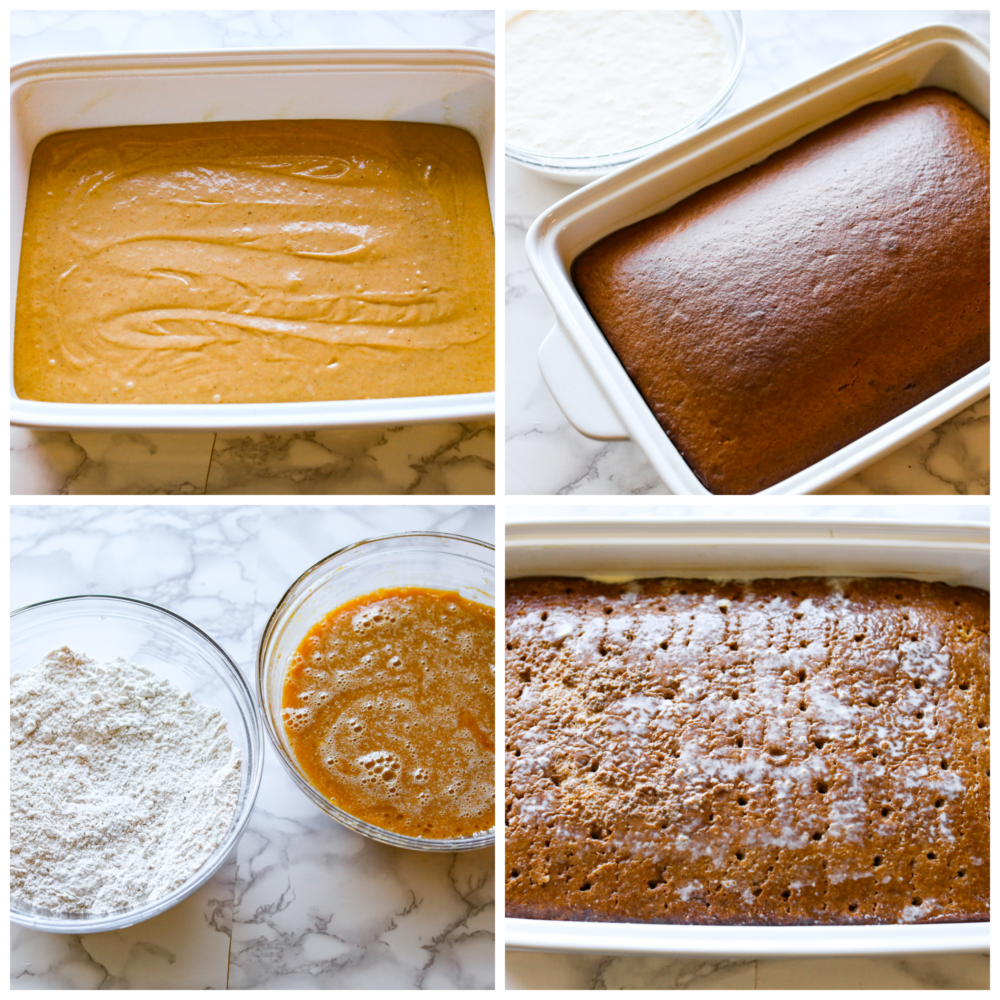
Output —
<point x="577" y="363"/>
<point x="955" y="553"/>
<point x="438" y="86"/>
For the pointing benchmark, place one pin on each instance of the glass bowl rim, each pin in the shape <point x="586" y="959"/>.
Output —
<point x="621" y="157"/>
<point x="475" y="841"/>
<point x="249" y="711"/>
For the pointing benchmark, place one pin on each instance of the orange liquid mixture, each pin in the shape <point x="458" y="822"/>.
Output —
<point x="388" y="706"/>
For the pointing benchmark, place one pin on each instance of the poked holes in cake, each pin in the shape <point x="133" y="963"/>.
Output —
<point x="944" y="784"/>
<point x="636" y="714"/>
<point x="927" y="664"/>
<point x="833" y="716"/>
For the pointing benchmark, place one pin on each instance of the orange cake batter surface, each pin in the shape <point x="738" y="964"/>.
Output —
<point x="249" y="262"/>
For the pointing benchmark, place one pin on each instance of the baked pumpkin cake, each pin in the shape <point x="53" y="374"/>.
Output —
<point x="803" y="751"/>
<point x="774" y="317"/>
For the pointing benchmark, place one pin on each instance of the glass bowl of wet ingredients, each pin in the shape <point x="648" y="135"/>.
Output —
<point x="590" y="91"/>
<point x="375" y="676"/>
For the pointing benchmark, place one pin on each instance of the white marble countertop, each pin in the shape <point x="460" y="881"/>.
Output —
<point x="548" y="971"/>
<point x="422" y="459"/>
<point x="546" y="455"/>
<point x="531" y="971"/>
<point x="304" y="903"/>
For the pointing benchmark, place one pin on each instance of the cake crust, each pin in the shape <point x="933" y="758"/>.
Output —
<point x="780" y="314"/>
<point x="801" y="751"/>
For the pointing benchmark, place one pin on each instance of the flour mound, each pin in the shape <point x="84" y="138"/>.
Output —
<point x="121" y="786"/>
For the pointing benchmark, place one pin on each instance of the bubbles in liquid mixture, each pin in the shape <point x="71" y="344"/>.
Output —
<point x="380" y="765"/>
<point x="378" y="616"/>
<point x="296" y="718"/>
<point x="377" y="699"/>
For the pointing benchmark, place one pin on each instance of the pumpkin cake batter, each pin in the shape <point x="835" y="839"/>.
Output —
<point x="248" y="262"/>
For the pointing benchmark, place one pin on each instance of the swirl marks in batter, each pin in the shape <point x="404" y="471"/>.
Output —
<point x="255" y="262"/>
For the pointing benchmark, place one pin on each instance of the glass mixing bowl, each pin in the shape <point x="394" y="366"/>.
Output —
<point x="582" y="169"/>
<point x="411" y="559"/>
<point x="105" y="628"/>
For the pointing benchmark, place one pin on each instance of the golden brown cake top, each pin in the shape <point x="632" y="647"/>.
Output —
<point x="776" y="752"/>
<point x="780" y="314"/>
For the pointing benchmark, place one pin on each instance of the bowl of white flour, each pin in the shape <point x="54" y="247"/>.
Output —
<point x="136" y="752"/>
<point x="587" y="91"/>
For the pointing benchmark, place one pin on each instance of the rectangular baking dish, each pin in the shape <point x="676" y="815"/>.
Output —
<point x="577" y="363"/>
<point x="437" y="86"/>
<point x="955" y="553"/>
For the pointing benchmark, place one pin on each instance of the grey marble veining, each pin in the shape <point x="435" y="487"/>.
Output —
<point x="87" y="462"/>
<point x="365" y="914"/>
<point x="544" y="454"/>
<point x="532" y="971"/>
<point x="452" y="458"/>
<point x="199" y="563"/>
<point x="537" y="971"/>
<point x="953" y="459"/>
<point x="913" y="972"/>
<point x="282" y="921"/>
<point x="303" y="902"/>
<point x="417" y="460"/>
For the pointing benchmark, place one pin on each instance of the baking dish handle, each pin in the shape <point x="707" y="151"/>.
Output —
<point x="579" y="397"/>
